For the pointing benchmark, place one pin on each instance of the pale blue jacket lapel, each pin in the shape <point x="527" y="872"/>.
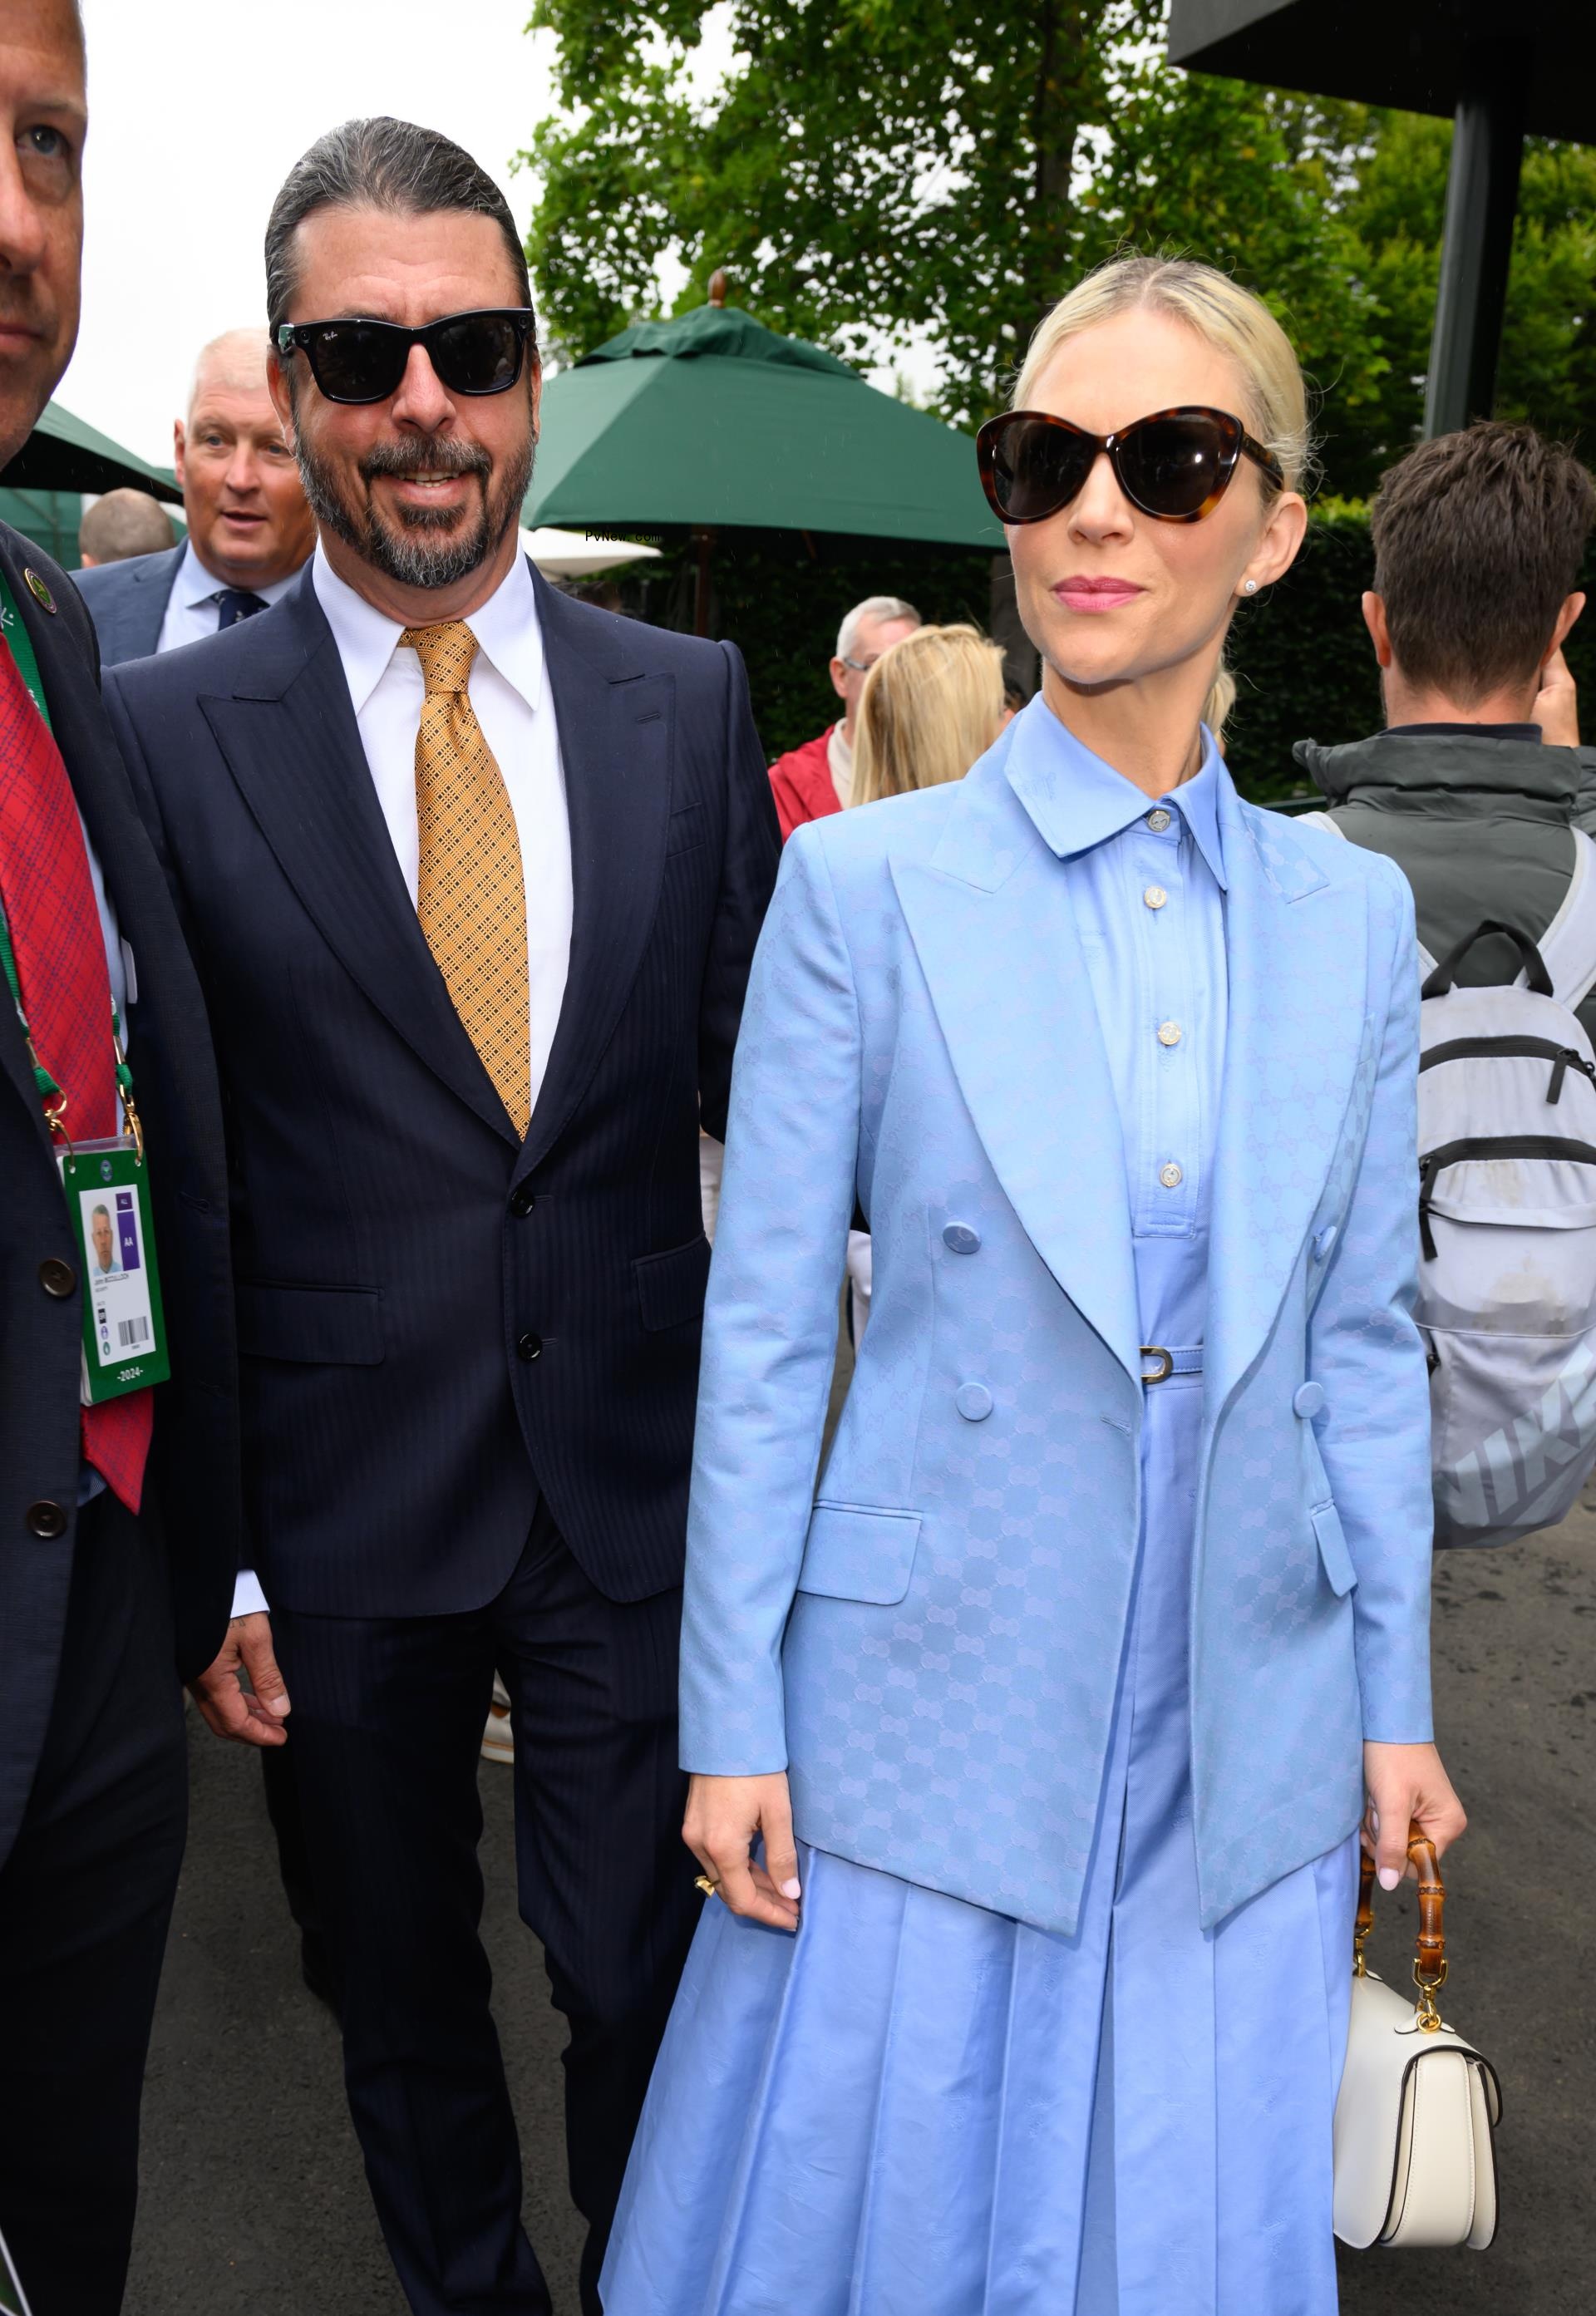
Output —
<point x="1290" y="1056"/>
<point x="994" y="932"/>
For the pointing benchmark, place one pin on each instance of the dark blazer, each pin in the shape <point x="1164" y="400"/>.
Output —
<point x="436" y="1321"/>
<point x="194" y="1469"/>
<point x="127" y="602"/>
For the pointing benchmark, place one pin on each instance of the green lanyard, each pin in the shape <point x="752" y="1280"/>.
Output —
<point x="21" y="645"/>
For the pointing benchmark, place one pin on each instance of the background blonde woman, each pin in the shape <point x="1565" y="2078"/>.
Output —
<point x="1053" y="1721"/>
<point x="930" y="706"/>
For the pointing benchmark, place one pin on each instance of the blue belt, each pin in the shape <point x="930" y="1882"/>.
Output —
<point x="1167" y="1363"/>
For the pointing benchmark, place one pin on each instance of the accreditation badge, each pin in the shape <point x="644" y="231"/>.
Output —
<point x="124" y="1330"/>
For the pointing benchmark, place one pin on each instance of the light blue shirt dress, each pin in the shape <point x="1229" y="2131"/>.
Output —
<point x="920" y="2106"/>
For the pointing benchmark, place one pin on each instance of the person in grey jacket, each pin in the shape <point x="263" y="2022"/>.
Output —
<point x="1478" y="777"/>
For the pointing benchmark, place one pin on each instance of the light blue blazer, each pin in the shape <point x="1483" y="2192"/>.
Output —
<point x="931" y="1648"/>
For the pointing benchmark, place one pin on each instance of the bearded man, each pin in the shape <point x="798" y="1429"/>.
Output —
<point x="475" y="874"/>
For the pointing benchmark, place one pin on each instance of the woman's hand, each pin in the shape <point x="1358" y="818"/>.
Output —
<point x="1406" y="1786"/>
<point x="725" y="1817"/>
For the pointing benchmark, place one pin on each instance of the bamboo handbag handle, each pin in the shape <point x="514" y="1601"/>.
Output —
<point x="1429" y="1957"/>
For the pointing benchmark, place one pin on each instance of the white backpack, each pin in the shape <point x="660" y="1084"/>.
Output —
<point x="1507" y="1221"/>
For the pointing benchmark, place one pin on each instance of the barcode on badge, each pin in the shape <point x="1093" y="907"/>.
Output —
<point x="130" y="1331"/>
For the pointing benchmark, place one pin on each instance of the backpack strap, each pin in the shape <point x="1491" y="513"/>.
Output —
<point x="1427" y="964"/>
<point x="1568" y="945"/>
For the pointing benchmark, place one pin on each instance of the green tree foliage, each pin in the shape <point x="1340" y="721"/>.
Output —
<point x="943" y="169"/>
<point x="873" y="172"/>
<point x="1393" y="206"/>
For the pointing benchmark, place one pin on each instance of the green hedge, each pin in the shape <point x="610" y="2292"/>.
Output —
<point x="1302" y="659"/>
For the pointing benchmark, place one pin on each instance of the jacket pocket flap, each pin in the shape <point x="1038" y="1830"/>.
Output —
<point x="857" y="1554"/>
<point x="335" y="1326"/>
<point x="671" y="1285"/>
<point x="1333" y="1548"/>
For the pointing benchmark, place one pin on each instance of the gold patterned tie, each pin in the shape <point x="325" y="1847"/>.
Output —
<point x="470" y="893"/>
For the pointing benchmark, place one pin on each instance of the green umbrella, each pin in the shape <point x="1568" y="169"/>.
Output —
<point x="64" y="453"/>
<point x="713" y="420"/>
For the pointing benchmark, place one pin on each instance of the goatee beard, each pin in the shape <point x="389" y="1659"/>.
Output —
<point x="414" y="555"/>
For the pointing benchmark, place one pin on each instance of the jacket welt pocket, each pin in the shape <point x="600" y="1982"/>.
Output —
<point x="856" y="1553"/>
<point x="688" y="826"/>
<point x="1333" y="1548"/>
<point x="671" y="1285"/>
<point x="330" y="1326"/>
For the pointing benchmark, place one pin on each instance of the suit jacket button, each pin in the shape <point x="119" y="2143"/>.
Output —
<point x="522" y="1200"/>
<point x="1309" y="1400"/>
<point x="46" y="1521"/>
<point x="58" y="1279"/>
<point x="1323" y="1242"/>
<point x="959" y="1238"/>
<point x="529" y="1346"/>
<point x="973" y="1402"/>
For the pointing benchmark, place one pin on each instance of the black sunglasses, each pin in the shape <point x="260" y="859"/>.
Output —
<point x="357" y="361"/>
<point x="1175" y="464"/>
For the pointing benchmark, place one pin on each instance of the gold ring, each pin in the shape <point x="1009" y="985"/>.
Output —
<point x="706" y="1884"/>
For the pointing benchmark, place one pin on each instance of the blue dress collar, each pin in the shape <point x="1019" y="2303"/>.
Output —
<point x="1078" y="801"/>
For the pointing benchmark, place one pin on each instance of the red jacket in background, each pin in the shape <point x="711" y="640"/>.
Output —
<point x="802" y="785"/>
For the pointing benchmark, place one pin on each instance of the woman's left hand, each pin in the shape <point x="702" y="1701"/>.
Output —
<point x="1406" y="1786"/>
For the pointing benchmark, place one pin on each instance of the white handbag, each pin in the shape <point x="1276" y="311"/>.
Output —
<point x="1415" y="2159"/>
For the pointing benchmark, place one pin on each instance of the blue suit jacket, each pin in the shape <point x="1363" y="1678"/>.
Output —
<point x="437" y="1321"/>
<point x="932" y="1649"/>
<point x="127" y="602"/>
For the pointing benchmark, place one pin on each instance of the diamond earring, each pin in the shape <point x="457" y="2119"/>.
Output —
<point x="1252" y="586"/>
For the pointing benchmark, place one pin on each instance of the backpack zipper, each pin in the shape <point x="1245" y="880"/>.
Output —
<point x="1562" y="1058"/>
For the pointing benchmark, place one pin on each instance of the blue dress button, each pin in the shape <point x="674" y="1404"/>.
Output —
<point x="1309" y="1400"/>
<point x="973" y="1402"/>
<point x="959" y="1238"/>
<point x="1325" y="1241"/>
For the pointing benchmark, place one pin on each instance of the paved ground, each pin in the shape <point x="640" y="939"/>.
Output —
<point x="254" y="2198"/>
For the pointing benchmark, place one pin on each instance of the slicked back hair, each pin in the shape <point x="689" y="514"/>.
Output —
<point x="380" y="164"/>
<point x="1478" y="538"/>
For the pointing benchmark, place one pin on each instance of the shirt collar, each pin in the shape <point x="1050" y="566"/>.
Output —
<point x="1078" y="801"/>
<point x="195" y="585"/>
<point x="508" y="633"/>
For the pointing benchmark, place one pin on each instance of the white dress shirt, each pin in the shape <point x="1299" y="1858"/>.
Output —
<point x="510" y="693"/>
<point x="193" y="610"/>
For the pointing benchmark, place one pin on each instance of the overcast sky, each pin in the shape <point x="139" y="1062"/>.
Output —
<point x="198" y="108"/>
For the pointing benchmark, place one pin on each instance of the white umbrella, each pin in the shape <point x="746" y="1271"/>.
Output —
<point x="573" y="554"/>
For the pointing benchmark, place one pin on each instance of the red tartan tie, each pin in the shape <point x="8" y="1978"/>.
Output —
<point x="61" y="962"/>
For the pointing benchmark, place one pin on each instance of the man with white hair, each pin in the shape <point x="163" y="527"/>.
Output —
<point x="249" y="527"/>
<point x="817" y="779"/>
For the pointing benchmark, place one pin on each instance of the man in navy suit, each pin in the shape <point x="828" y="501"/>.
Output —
<point x="249" y="529"/>
<point x="476" y="873"/>
<point x="119" y="1524"/>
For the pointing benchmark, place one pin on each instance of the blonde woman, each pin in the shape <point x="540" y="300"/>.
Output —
<point x="1029" y="1760"/>
<point x="932" y="704"/>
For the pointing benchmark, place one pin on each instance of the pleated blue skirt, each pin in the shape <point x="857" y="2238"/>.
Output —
<point x="916" y="2107"/>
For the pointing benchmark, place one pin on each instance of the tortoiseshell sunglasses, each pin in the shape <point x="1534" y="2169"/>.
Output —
<point x="1174" y="465"/>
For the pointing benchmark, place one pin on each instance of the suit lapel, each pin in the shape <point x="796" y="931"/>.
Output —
<point x="1289" y="1061"/>
<point x="992" y="924"/>
<point x="292" y="746"/>
<point x="616" y="738"/>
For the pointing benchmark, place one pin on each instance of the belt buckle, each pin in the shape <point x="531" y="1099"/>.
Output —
<point x="1163" y="1373"/>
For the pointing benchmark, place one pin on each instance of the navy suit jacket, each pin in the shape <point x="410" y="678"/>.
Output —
<point x="436" y="1321"/>
<point x="193" y="1475"/>
<point x="127" y="602"/>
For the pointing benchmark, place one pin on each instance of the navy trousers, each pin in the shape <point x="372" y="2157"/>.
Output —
<point x="86" y="1899"/>
<point x="386" y="1730"/>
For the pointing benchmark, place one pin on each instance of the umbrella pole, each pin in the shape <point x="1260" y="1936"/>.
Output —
<point x="703" y="540"/>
